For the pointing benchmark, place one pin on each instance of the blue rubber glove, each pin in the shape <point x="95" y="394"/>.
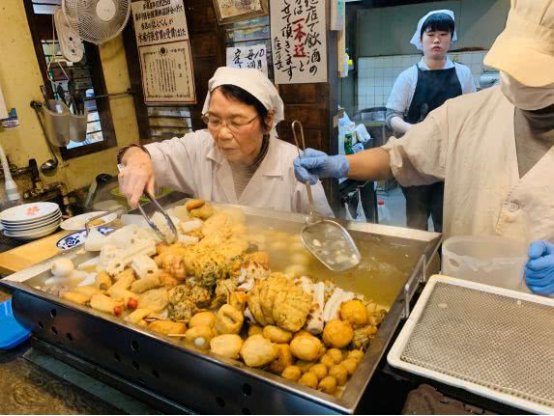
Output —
<point x="539" y="270"/>
<point x="315" y="165"/>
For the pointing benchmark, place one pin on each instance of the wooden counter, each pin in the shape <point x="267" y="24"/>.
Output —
<point x="19" y="258"/>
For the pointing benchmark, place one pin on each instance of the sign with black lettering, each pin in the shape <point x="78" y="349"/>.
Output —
<point x="299" y="40"/>
<point x="164" y="51"/>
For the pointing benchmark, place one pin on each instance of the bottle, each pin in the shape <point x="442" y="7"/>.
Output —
<point x="383" y="215"/>
<point x="348" y="144"/>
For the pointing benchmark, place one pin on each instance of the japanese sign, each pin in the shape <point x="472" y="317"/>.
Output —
<point x="164" y="52"/>
<point x="166" y="73"/>
<point x="298" y="33"/>
<point x="159" y="21"/>
<point x="248" y="57"/>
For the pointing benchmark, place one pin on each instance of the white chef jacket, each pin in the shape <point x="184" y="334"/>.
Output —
<point x="469" y="143"/>
<point x="193" y="164"/>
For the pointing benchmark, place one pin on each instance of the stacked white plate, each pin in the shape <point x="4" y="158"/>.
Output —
<point x="31" y="221"/>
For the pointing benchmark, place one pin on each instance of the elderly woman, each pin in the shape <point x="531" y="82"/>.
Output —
<point x="237" y="160"/>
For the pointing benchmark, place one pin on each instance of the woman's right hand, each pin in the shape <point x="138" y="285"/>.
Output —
<point x="136" y="176"/>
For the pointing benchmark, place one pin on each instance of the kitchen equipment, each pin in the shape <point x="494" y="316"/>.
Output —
<point x="97" y="183"/>
<point x="31" y="221"/>
<point x="493" y="342"/>
<point x="157" y="207"/>
<point x="327" y="240"/>
<point x="29" y="213"/>
<point x="78" y="222"/>
<point x="51" y="164"/>
<point x="70" y="45"/>
<point x="38" y="224"/>
<point x="33" y="235"/>
<point x="56" y="119"/>
<point x="152" y="225"/>
<point x="97" y="21"/>
<point x="11" y="187"/>
<point x="165" y="372"/>
<point x="491" y="260"/>
<point x="77" y="238"/>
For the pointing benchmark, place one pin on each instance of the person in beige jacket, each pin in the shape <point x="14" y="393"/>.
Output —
<point x="494" y="149"/>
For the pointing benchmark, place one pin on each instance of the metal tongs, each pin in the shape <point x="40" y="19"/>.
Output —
<point x="158" y="208"/>
<point x="148" y="220"/>
<point x="327" y="240"/>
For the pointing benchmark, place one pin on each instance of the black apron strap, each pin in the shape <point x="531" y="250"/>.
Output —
<point x="432" y="90"/>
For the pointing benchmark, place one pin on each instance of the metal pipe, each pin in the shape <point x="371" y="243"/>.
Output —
<point x="111" y="95"/>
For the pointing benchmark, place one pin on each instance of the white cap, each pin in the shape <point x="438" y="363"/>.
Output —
<point x="252" y="81"/>
<point x="416" y="39"/>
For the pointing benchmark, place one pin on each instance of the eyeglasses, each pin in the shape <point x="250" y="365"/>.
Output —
<point x="216" y="123"/>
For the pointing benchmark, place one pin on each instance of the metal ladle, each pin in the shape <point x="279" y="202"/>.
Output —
<point x="327" y="240"/>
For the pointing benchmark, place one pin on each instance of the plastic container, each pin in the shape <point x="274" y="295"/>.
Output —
<point x="11" y="332"/>
<point x="383" y="214"/>
<point x="491" y="260"/>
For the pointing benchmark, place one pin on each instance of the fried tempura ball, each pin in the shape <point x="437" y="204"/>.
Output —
<point x="302" y="333"/>
<point x="339" y="372"/>
<point x="194" y="204"/>
<point x="203" y="213"/>
<point x="338" y="333"/>
<point x="328" y="385"/>
<point x="336" y="355"/>
<point x="320" y="370"/>
<point x="306" y="348"/>
<point x="350" y="364"/>
<point x="199" y="336"/>
<point x="309" y="379"/>
<point x="304" y="365"/>
<point x="357" y="355"/>
<point x="228" y="320"/>
<point x="354" y="312"/>
<point x="227" y="345"/>
<point x="327" y="360"/>
<point x="292" y="372"/>
<point x="276" y="334"/>
<point x="283" y="360"/>
<point x="258" y="351"/>
<point x="254" y="330"/>
<point x="203" y="319"/>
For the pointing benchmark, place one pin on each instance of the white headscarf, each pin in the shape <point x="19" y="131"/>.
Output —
<point x="252" y="81"/>
<point x="416" y="39"/>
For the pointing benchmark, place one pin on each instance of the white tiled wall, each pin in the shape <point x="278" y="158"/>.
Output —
<point x="376" y="75"/>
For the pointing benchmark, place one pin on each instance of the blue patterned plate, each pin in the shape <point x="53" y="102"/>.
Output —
<point x="77" y="238"/>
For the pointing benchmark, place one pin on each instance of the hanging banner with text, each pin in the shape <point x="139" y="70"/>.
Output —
<point x="254" y="56"/>
<point x="299" y="40"/>
<point x="164" y="52"/>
